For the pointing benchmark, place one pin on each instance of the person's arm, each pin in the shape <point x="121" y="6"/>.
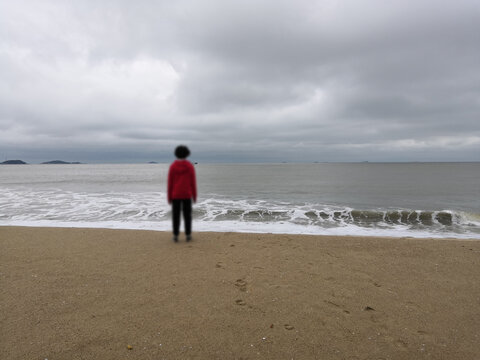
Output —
<point x="194" y="185"/>
<point x="170" y="185"/>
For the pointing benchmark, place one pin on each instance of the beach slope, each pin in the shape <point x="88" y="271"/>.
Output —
<point x="91" y="293"/>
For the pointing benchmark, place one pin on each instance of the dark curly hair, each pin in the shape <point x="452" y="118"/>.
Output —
<point x="182" y="152"/>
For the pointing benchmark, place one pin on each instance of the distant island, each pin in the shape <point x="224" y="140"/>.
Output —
<point x="13" y="162"/>
<point x="60" y="162"/>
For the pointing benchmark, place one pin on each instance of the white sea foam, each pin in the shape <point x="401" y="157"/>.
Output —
<point x="149" y="210"/>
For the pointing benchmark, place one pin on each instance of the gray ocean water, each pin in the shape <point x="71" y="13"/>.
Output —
<point x="393" y="199"/>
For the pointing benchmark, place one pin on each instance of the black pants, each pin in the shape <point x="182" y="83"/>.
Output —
<point x="185" y="206"/>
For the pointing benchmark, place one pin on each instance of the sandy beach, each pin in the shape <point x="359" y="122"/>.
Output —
<point x="124" y="294"/>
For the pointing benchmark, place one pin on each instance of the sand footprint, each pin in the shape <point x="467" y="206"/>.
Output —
<point x="241" y="284"/>
<point x="240" y="302"/>
<point x="334" y="305"/>
<point x="413" y="306"/>
<point x="288" y="327"/>
<point x="220" y="265"/>
<point x="401" y="344"/>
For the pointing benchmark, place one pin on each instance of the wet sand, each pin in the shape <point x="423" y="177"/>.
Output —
<point x="91" y="293"/>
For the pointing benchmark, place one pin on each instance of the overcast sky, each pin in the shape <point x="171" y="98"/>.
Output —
<point x="303" y="80"/>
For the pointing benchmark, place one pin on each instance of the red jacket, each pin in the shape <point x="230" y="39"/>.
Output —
<point x="182" y="183"/>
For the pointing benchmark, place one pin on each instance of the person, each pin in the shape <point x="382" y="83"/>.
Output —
<point x="181" y="190"/>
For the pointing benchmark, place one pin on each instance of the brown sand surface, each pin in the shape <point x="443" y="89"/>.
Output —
<point x="89" y="293"/>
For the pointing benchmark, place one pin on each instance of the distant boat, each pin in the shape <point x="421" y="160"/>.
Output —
<point x="13" y="162"/>
<point x="153" y="162"/>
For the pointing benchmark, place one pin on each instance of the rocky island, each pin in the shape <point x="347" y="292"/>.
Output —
<point x="60" y="162"/>
<point x="13" y="162"/>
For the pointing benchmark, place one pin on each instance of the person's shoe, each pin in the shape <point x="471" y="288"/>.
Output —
<point x="189" y="237"/>
<point x="175" y="238"/>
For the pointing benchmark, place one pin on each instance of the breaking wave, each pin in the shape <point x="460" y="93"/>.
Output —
<point x="149" y="210"/>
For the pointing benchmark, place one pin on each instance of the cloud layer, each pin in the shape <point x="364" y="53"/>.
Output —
<point x="240" y="81"/>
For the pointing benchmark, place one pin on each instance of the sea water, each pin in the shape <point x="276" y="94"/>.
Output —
<point x="372" y="199"/>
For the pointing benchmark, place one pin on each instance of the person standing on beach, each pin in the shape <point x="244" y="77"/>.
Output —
<point x="181" y="190"/>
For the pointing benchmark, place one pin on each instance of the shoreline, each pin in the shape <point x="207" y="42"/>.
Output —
<point x="367" y="233"/>
<point x="72" y="293"/>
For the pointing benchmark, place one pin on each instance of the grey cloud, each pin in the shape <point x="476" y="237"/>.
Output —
<point x="249" y="81"/>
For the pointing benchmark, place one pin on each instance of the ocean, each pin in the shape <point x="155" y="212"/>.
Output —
<point x="367" y="199"/>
